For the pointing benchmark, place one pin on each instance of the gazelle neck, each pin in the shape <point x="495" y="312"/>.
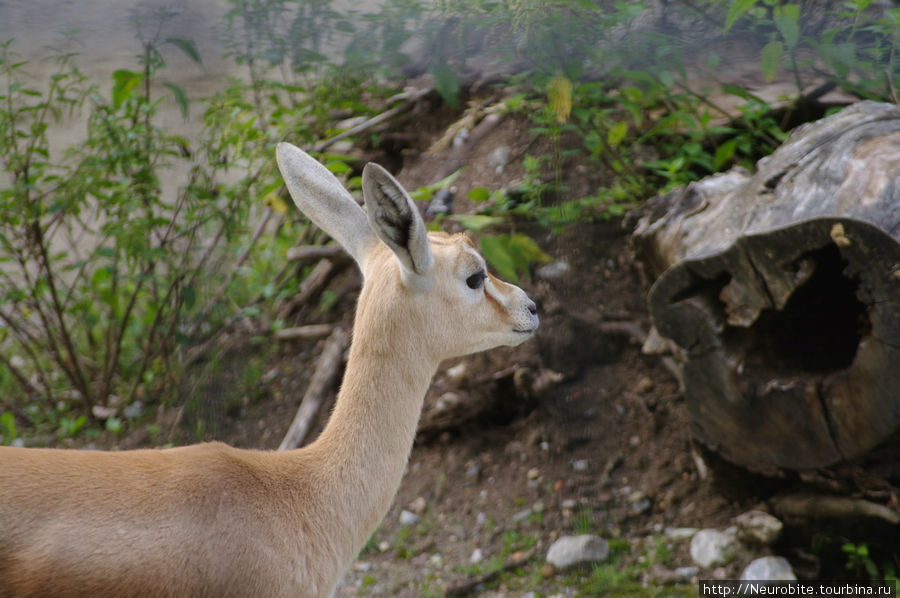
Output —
<point x="368" y="439"/>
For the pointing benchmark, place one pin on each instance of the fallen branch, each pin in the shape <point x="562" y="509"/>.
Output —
<point x="409" y="99"/>
<point x="805" y="505"/>
<point x="308" y="332"/>
<point x="306" y="253"/>
<point x="316" y="279"/>
<point x="467" y="586"/>
<point x="632" y="330"/>
<point x="327" y="369"/>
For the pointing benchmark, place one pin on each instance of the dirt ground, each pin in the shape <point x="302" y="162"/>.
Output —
<point x="606" y="449"/>
<point x="517" y="461"/>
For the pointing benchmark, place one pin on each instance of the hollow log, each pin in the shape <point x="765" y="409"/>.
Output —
<point x="780" y="290"/>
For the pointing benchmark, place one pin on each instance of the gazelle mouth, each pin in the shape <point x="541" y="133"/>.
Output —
<point x="526" y="331"/>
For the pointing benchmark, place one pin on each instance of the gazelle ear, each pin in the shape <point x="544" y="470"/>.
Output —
<point x="394" y="218"/>
<point x="324" y="200"/>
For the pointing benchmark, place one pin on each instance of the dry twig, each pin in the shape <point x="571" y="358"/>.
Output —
<point x="327" y="369"/>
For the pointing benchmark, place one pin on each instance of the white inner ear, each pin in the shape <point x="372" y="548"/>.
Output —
<point x="323" y="199"/>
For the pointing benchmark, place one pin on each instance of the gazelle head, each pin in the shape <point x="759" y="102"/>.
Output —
<point x="434" y="284"/>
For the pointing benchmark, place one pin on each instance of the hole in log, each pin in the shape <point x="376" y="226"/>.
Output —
<point x="819" y="328"/>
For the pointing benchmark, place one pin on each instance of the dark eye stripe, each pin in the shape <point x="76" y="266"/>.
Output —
<point x="476" y="280"/>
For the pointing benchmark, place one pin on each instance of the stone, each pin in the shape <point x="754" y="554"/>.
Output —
<point x="408" y="518"/>
<point x="571" y="551"/>
<point x="710" y="547"/>
<point x="758" y="528"/>
<point x="680" y="533"/>
<point x="553" y="270"/>
<point x="665" y="576"/>
<point x="768" y="568"/>
<point x="419" y="505"/>
<point x="499" y="157"/>
<point x="134" y="410"/>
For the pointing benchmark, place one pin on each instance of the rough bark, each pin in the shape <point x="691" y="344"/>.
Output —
<point x="781" y="292"/>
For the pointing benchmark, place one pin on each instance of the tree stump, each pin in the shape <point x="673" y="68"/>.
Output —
<point x="781" y="293"/>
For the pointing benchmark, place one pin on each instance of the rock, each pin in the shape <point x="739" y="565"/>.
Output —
<point x="665" y="576"/>
<point x="408" y="518"/>
<point x="441" y="203"/>
<point x="458" y="372"/>
<point x="103" y="413"/>
<point x="570" y="551"/>
<point x="552" y="270"/>
<point x="641" y="506"/>
<point x="680" y="533"/>
<point x="477" y="556"/>
<point x="580" y="465"/>
<point x="687" y="573"/>
<point x="134" y="410"/>
<point x="521" y="515"/>
<point x="499" y="157"/>
<point x="447" y="401"/>
<point x="418" y="505"/>
<point x="710" y="547"/>
<point x="645" y="384"/>
<point x="768" y="568"/>
<point x="758" y="527"/>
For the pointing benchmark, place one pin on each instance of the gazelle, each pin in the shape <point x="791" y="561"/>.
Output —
<point x="213" y="521"/>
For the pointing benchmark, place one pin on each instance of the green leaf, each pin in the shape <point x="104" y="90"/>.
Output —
<point x="616" y="134"/>
<point x="724" y="153"/>
<point x="446" y="82"/>
<point x="305" y="55"/>
<point x="479" y="194"/>
<point x="187" y="46"/>
<point x="737" y="8"/>
<point x="190" y="296"/>
<point x="124" y="83"/>
<point x="740" y="92"/>
<point x="788" y="27"/>
<point x="498" y="256"/>
<point x="8" y="427"/>
<point x="345" y="26"/>
<point x="101" y="279"/>
<point x="180" y="96"/>
<point x="841" y="57"/>
<point x="338" y="167"/>
<point x="526" y="247"/>
<point x="769" y="59"/>
<point x="476" y="222"/>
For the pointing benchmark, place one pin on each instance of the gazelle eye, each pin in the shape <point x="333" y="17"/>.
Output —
<point x="476" y="280"/>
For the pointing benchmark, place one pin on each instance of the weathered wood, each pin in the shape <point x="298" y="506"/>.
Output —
<point x="781" y="290"/>
<point x="800" y="505"/>
<point x="305" y="253"/>
<point x="307" y="332"/>
<point x="311" y="285"/>
<point x="324" y="376"/>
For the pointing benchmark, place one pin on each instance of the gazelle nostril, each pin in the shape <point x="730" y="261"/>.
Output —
<point x="532" y="308"/>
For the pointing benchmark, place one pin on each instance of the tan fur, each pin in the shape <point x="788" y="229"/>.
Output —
<point x="214" y="521"/>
